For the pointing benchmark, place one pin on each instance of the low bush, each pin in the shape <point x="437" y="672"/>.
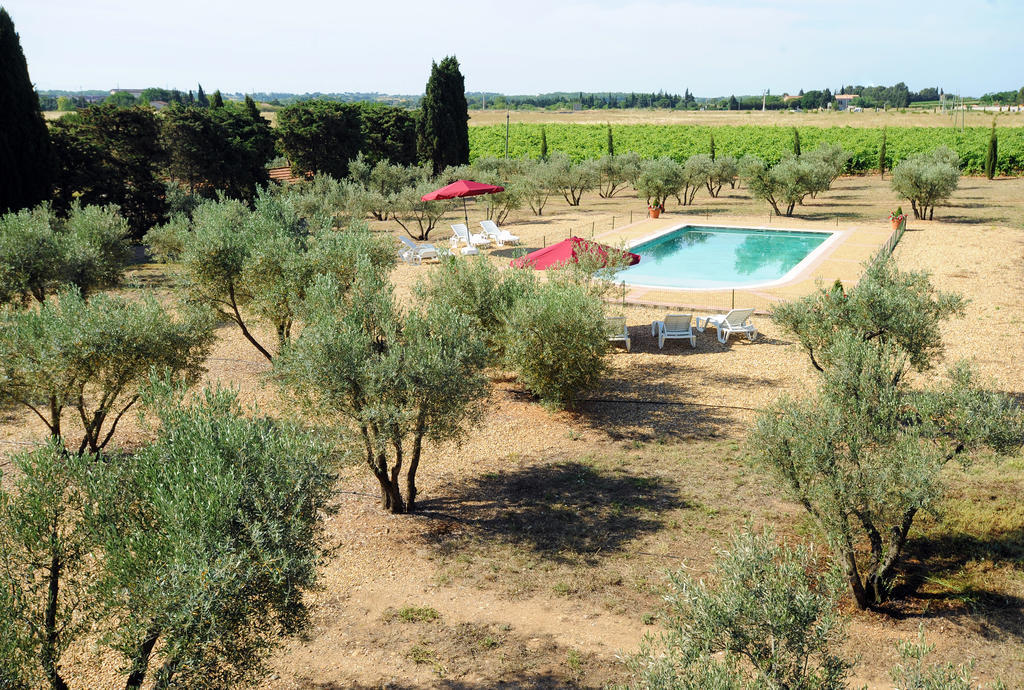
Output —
<point x="556" y="341"/>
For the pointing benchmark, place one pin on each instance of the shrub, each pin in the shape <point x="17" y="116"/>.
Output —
<point x="767" y="620"/>
<point x="39" y="253"/>
<point x="93" y="357"/>
<point x="927" y="179"/>
<point x="556" y="342"/>
<point x="478" y="289"/>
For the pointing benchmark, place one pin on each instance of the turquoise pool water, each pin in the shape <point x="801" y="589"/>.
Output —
<point x="710" y="257"/>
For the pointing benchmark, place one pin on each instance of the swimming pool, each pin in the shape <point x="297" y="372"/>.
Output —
<point x="708" y="257"/>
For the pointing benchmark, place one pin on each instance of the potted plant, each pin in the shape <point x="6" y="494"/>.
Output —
<point x="655" y="210"/>
<point x="898" y="219"/>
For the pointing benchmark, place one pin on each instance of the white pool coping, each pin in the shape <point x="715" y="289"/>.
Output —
<point x="791" y="276"/>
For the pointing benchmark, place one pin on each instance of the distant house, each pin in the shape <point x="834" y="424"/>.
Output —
<point x="843" y="100"/>
<point x="787" y="98"/>
<point x="158" y="105"/>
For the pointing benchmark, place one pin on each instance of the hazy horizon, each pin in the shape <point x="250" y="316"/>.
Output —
<point x="734" y="47"/>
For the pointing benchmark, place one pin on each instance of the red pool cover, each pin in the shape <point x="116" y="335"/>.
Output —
<point x="566" y="251"/>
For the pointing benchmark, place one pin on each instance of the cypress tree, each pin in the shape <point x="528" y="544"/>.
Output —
<point x="218" y="100"/>
<point x="25" y="154"/>
<point x="992" y="154"/>
<point x="796" y="141"/>
<point x="611" y="143"/>
<point x="543" y="144"/>
<point x="250" y="107"/>
<point x="201" y="100"/>
<point x="712" y="146"/>
<point x="442" y="136"/>
<point x="881" y="155"/>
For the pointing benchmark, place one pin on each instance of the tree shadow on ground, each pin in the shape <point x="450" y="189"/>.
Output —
<point x="941" y="561"/>
<point x="822" y="216"/>
<point x="541" y="681"/>
<point x="650" y="403"/>
<point x="968" y="220"/>
<point x="562" y="512"/>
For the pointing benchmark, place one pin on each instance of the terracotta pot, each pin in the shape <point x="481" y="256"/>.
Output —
<point x="654" y="212"/>
<point x="897" y="222"/>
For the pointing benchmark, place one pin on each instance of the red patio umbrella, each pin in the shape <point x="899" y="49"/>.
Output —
<point x="462" y="188"/>
<point x="565" y="252"/>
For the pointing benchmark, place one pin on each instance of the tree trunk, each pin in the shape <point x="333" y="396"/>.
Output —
<point x="414" y="463"/>
<point x="853" y="577"/>
<point x="141" y="661"/>
<point x="51" y="637"/>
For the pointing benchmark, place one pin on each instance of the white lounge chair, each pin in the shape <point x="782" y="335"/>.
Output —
<point x="736" y="321"/>
<point x="500" y="236"/>
<point x="674" y="327"/>
<point x="462" y="234"/>
<point x="617" y="330"/>
<point x="413" y="253"/>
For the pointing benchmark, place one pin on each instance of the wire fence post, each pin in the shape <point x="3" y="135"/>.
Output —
<point x="613" y="222"/>
<point x="630" y="216"/>
<point x="623" y="294"/>
<point x="733" y="300"/>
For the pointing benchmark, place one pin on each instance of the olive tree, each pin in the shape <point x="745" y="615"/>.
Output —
<point x="556" y="341"/>
<point x="417" y="217"/>
<point x="787" y="183"/>
<point x="497" y="171"/>
<point x="93" y="357"/>
<point x="572" y="179"/>
<point x="865" y="454"/>
<point x="209" y="538"/>
<point x="190" y="555"/>
<point x="695" y="174"/>
<point x="383" y="180"/>
<point x="615" y="172"/>
<point x="659" y="179"/>
<point x="927" y="179"/>
<point x="45" y="546"/>
<point x="254" y="266"/>
<point x="536" y="184"/>
<point x="40" y="253"/>
<point x="478" y="289"/>
<point x="765" y="619"/>
<point x="724" y="170"/>
<point x="393" y="379"/>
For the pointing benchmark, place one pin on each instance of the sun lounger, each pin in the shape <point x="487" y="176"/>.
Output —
<point x="674" y="327"/>
<point x="736" y="321"/>
<point x="617" y="330"/>
<point x="462" y="234"/>
<point x="413" y="253"/>
<point x="500" y="236"/>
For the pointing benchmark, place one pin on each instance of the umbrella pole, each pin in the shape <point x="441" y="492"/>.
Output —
<point x="464" y="211"/>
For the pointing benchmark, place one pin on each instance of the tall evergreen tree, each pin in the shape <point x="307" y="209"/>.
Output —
<point x="250" y="107"/>
<point x="992" y="155"/>
<point x="712" y="146"/>
<point x="201" y="100"/>
<point x="25" y="156"/>
<point x="543" y="144"/>
<point x="796" y="141"/>
<point x="882" y="154"/>
<point x="442" y="137"/>
<point x="611" y="142"/>
<point x="218" y="100"/>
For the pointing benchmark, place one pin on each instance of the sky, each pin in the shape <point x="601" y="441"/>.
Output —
<point x="523" y="46"/>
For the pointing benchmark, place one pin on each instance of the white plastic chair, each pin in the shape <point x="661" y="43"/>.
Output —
<point x="617" y="330"/>
<point x="674" y="327"/>
<point x="500" y="236"/>
<point x="736" y="321"/>
<point x="462" y="233"/>
<point x="414" y="253"/>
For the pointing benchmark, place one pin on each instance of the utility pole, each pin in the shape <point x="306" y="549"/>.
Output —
<point x="508" y="116"/>
<point x="764" y="100"/>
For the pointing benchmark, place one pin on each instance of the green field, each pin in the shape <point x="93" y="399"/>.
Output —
<point x="581" y="141"/>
